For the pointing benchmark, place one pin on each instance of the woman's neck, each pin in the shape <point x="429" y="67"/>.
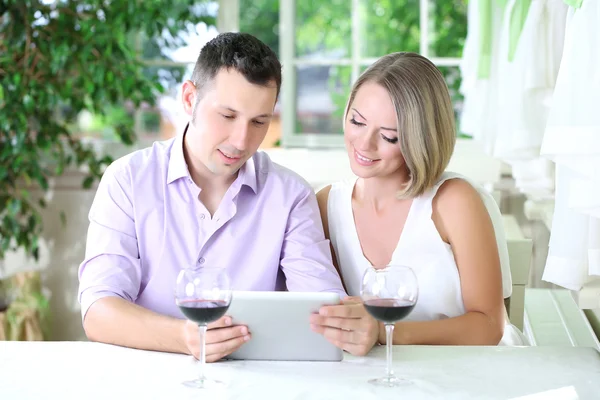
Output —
<point x="380" y="192"/>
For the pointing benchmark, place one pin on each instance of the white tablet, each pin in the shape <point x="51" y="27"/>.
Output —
<point x="280" y="326"/>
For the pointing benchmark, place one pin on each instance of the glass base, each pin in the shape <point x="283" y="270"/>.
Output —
<point x="390" y="381"/>
<point x="203" y="383"/>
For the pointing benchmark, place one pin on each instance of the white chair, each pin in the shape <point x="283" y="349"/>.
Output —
<point x="519" y="254"/>
<point x="515" y="253"/>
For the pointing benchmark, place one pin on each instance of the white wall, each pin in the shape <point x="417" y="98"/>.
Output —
<point x="323" y="166"/>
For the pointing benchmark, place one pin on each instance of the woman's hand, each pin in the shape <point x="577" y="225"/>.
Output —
<point x="348" y="326"/>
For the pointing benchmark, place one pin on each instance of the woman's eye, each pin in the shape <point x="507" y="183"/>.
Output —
<point x="355" y="122"/>
<point x="390" y="140"/>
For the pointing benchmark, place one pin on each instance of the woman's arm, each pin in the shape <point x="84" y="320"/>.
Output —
<point x="348" y="325"/>
<point x="463" y="221"/>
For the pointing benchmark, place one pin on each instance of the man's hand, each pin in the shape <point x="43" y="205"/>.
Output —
<point x="348" y="326"/>
<point x="222" y="339"/>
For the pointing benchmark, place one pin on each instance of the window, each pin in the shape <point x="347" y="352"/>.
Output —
<point x="171" y="67"/>
<point x="323" y="46"/>
<point x="328" y="45"/>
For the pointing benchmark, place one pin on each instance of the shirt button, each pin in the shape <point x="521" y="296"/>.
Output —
<point x="202" y="216"/>
<point x="201" y="260"/>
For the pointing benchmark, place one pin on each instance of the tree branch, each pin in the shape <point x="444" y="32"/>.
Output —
<point x="36" y="58"/>
<point x="27" y="41"/>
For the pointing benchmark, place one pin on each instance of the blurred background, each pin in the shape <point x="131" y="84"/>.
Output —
<point x="324" y="47"/>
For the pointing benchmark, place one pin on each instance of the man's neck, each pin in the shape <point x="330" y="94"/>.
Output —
<point x="212" y="187"/>
<point x="211" y="195"/>
<point x="206" y="180"/>
<point x="202" y="176"/>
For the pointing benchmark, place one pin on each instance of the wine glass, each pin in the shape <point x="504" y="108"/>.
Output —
<point x="203" y="295"/>
<point x="389" y="295"/>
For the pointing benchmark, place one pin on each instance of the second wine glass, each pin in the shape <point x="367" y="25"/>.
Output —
<point x="389" y="295"/>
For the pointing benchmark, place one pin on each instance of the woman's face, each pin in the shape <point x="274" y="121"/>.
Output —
<point x="371" y="133"/>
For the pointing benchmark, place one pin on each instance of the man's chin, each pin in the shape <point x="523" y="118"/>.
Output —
<point x="224" y="170"/>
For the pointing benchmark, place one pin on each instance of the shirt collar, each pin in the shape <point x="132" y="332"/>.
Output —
<point x="177" y="166"/>
<point x="247" y="175"/>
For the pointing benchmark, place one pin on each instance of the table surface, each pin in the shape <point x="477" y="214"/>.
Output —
<point x="85" y="370"/>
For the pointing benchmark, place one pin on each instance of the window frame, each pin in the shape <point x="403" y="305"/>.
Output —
<point x="287" y="49"/>
<point x="225" y="21"/>
<point x="228" y="20"/>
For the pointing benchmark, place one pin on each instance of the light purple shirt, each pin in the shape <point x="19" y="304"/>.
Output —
<point x="146" y="224"/>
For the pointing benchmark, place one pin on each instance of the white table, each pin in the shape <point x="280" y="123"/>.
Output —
<point x="83" y="370"/>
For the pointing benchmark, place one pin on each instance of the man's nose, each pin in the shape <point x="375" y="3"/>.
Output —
<point x="239" y="137"/>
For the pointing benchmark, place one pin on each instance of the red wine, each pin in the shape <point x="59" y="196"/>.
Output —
<point x="203" y="311"/>
<point x="388" y="310"/>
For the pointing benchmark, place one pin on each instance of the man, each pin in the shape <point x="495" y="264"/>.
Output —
<point x="205" y="197"/>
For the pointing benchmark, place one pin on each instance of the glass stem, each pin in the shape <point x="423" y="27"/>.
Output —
<point x="389" y="338"/>
<point x="202" y="331"/>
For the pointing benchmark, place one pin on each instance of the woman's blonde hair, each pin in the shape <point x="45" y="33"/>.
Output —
<point x="425" y="117"/>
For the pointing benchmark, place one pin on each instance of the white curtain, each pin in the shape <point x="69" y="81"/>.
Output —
<point x="506" y="105"/>
<point x="479" y="71"/>
<point x="537" y="107"/>
<point x="572" y="141"/>
<point x="527" y="76"/>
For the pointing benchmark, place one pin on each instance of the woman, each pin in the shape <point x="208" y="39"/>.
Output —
<point x="399" y="131"/>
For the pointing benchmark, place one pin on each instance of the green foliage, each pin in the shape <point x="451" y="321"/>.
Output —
<point x="386" y="26"/>
<point x="261" y="19"/>
<point x="58" y="59"/>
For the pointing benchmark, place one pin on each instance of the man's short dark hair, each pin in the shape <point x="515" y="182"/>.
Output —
<point x="242" y="52"/>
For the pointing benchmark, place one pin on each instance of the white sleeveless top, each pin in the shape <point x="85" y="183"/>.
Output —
<point x="420" y="247"/>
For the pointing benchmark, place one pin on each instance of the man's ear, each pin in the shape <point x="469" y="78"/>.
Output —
<point x="188" y="97"/>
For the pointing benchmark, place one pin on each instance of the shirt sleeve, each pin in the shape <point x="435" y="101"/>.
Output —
<point x="112" y="264"/>
<point x="306" y="255"/>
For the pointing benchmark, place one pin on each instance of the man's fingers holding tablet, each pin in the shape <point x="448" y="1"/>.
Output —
<point x="216" y="351"/>
<point x="220" y="342"/>
<point x="224" y="334"/>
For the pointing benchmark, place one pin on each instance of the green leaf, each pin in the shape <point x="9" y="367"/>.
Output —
<point x="5" y="244"/>
<point x="88" y="181"/>
<point x="15" y="206"/>
<point x="84" y="59"/>
<point x="41" y="179"/>
<point x="28" y="102"/>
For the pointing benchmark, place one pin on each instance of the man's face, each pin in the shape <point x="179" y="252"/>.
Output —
<point x="230" y="120"/>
